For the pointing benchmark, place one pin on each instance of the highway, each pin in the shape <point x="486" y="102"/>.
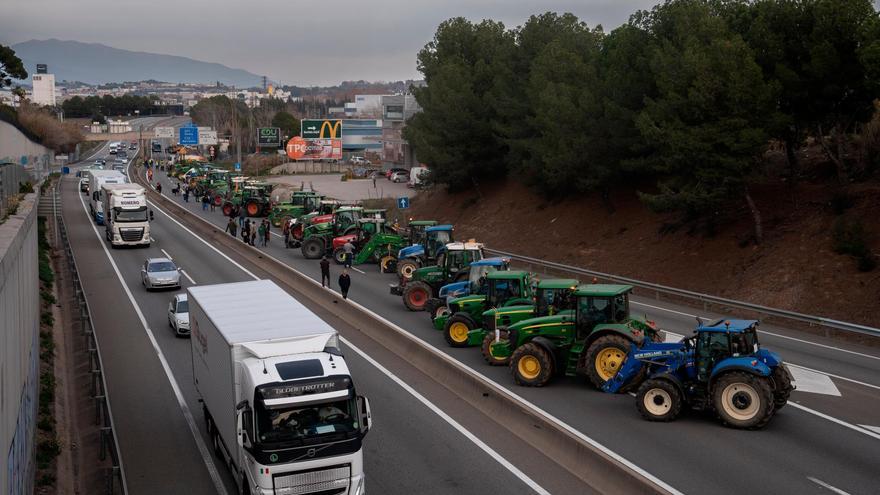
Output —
<point x="828" y="435"/>
<point x="420" y="443"/>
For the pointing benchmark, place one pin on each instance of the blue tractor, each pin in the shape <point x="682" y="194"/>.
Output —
<point x="475" y="284"/>
<point x="721" y="367"/>
<point x="424" y="249"/>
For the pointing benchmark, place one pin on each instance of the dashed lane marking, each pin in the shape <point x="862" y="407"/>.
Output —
<point x="821" y="483"/>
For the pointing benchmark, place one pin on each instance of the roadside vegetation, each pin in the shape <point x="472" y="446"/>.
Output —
<point x="48" y="446"/>
<point x="692" y="105"/>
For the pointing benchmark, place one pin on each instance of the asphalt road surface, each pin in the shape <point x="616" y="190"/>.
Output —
<point x="828" y="435"/>
<point x="162" y="436"/>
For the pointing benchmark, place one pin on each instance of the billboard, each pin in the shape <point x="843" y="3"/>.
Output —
<point x="207" y="136"/>
<point x="269" y="137"/>
<point x="314" y="149"/>
<point x="164" y="132"/>
<point x="321" y="129"/>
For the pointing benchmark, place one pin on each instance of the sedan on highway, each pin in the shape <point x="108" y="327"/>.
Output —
<point x="178" y="315"/>
<point x="160" y="273"/>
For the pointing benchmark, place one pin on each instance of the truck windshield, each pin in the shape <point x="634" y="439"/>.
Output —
<point x="131" y="215"/>
<point x="301" y="423"/>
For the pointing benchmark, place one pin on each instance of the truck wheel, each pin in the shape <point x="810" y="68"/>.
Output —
<point x="658" y="400"/>
<point x="339" y="256"/>
<point x="215" y="440"/>
<point x="531" y="365"/>
<point x="252" y="208"/>
<point x="313" y="248"/>
<point x="782" y="380"/>
<point x="406" y="268"/>
<point x="456" y="330"/>
<point x="485" y="351"/>
<point x="415" y="295"/>
<point x="604" y="357"/>
<point x="388" y="263"/>
<point x="743" y="400"/>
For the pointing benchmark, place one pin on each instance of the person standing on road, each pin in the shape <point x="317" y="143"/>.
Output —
<point x="205" y="202"/>
<point x="231" y="227"/>
<point x="348" y="249"/>
<point x="186" y="193"/>
<point x="325" y="271"/>
<point x="242" y="215"/>
<point x="285" y="230"/>
<point x="344" y="283"/>
<point x="150" y="174"/>
<point x="211" y="203"/>
<point x="262" y="232"/>
<point x="245" y="231"/>
<point x="253" y="233"/>
<point x="159" y="187"/>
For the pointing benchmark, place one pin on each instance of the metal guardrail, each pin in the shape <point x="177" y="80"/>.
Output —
<point x="705" y="299"/>
<point x="115" y="477"/>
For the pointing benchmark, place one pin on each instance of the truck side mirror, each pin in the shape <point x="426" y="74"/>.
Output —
<point x="364" y="412"/>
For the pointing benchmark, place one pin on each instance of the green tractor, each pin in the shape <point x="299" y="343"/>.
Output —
<point x="254" y="197"/>
<point x="215" y="183"/>
<point x="425" y="244"/>
<point x="594" y="340"/>
<point x="317" y="238"/>
<point x="301" y="203"/>
<point x="373" y="241"/>
<point x="453" y="262"/>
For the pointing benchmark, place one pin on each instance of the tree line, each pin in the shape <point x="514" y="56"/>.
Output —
<point x="681" y="102"/>
<point x="235" y="120"/>
<point x="98" y="107"/>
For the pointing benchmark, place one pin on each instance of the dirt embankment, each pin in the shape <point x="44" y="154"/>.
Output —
<point x="794" y="268"/>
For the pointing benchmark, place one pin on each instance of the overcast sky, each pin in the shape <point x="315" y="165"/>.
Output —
<point x="291" y="41"/>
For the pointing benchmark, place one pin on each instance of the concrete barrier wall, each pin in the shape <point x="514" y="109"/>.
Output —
<point x="19" y="351"/>
<point x="15" y="147"/>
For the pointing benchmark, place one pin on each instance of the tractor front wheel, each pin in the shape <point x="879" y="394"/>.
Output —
<point x="406" y="268"/>
<point x="605" y="357"/>
<point x="743" y="400"/>
<point x="416" y="295"/>
<point x="436" y="308"/>
<point x="531" y="365"/>
<point x="487" y="354"/>
<point x="313" y="248"/>
<point x="339" y="256"/>
<point x="782" y="379"/>
<point x="387" y="263"/>
<point x="659" y="400"/>
<point x="455" y="332"/>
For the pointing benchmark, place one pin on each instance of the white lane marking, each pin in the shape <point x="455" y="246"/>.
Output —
<point x="188" y="277"/>
<point x="614" y="455"/>
<point x="452" y="422"/>
<point x="870" y="385"/>
<point x="812" y="382"/>
<point x="358" y="270"/>
<point x="765" y="332"/>
<point x="200" y="443"/>
<point x="835" y="420"/>
<point x="166" y="254"/>
<point x="821" y="483"/>
<point x="875" y="429"/>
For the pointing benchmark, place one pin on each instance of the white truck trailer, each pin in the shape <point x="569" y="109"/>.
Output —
<point x="97" y="179"/>
<point x="126" y="216"/>
<point x="279" y="402"/>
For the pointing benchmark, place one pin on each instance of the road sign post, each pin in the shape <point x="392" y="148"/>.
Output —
<point x="189" y="136"/>
<point x="403" y="203"/>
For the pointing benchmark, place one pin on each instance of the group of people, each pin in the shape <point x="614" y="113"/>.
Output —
<point x="250" y="231"/>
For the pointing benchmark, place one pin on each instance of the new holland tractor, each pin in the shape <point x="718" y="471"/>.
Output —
<point x="720" y="368"/>
<point x="373" y="241"/>
<point x="594" y="340"/>
<point x="301" y="203"/>
<point x="317" y="238"/>
<point x="453" y="262"/>
<point x="254" y="197"/>
<point x="426" y="243"/>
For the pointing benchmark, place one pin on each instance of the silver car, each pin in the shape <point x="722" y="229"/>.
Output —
<point x="178" y="315"/>
<point x="160" y="273"/>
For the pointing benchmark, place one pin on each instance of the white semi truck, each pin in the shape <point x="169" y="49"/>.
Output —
<point x="279" y="402"/>
<point x="126" y="216"/>
<point x="97" y="179"/>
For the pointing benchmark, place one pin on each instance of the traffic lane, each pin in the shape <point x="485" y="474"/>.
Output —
<point x="429" y="464"/>
<point x="555" y="400"/>
<point x="137" y="386"/>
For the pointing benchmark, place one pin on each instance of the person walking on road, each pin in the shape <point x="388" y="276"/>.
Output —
<point x="325" y="271"/>
<point x="348" y="249"/>
<point x="285" y="231"/>
<point x="231" y="227"/>
<point x="245" y="234"/>
<point x="150" y="174"/>
<point x="186" y="193"/>
<point x="268" y="232"/>
<point x="242" y="215"/>
<point x="262" y="232"/>
<point x="211" y="203"/>
<point x="344" y="283"/>
<point x="205" y="202"/>
<point x="253" y="233"/>
<point x="159" y="187"/>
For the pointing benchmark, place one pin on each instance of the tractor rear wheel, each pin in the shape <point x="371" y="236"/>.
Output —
<point x="415" y="295"/>
<point x="406" y="268"/>
<point x="252" y="208"/>
<point x="313" y="248"/>
<point x="531" y="365"/>
<point x="485" y="351"/>
<point x="455" y="332"/>
<point x="339" y="256"/>
<point x="388" y="263"/>
<point x="605" y="357"/>
<point x="218" y="199"/>
<point x="659" y="400"/>
<point x="782" y="379"/>
<point x="743" y="400"/>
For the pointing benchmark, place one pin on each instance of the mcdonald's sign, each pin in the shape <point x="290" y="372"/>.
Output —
<point x="321" y="129"/>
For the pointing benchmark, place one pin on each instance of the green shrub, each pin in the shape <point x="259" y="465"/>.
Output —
<point x="849" y="238"/>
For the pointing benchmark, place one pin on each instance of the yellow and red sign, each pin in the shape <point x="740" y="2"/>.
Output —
<point x="314" y="149"/>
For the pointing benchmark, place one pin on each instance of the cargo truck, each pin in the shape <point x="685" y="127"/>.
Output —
<point x="279" y="402"/>
<point x="126" y="216"/>
<point x="97" y="179"/>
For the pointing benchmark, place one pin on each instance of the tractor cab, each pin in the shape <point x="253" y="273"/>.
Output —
<point x="600" y="304"/>
<point x="554" y="296"/>
<point x="345" y="218"/>
<point x="456" y="256"/>
<point x="723" y="339"/>
<point x="506" y="286"/>
<point x="417" y="230"/>
<point x="435" y="238"/>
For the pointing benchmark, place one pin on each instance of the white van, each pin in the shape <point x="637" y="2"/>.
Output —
<point x="417" y="176"/>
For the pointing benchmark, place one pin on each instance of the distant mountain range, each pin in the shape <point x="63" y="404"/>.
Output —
<point x="98" y="64"/>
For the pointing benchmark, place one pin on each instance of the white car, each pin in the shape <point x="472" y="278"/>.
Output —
<point x="160" y="273"/>
<point x="400" y="177"/>
<point x="359" y="160"/>
<point x="178" y="315"/>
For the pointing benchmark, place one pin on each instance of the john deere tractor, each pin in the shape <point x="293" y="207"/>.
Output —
<point x="254" y="197"/>
<point x="301" y="202"/>
<point x="426" y="242"/>
<point x="318" y="237"/>
<point x="721" y="367"/>
<point x="593" y="341"/>
<point x="323" y="214"/>
<point x="462" y="324"/>
<point x="215" y="183"/>
<point x="453" y="262"/>
<point x="474" y="284"/>
<point x="373" y="243"/>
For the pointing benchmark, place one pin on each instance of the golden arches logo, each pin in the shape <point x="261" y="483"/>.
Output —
<point x="333" y="127"/>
